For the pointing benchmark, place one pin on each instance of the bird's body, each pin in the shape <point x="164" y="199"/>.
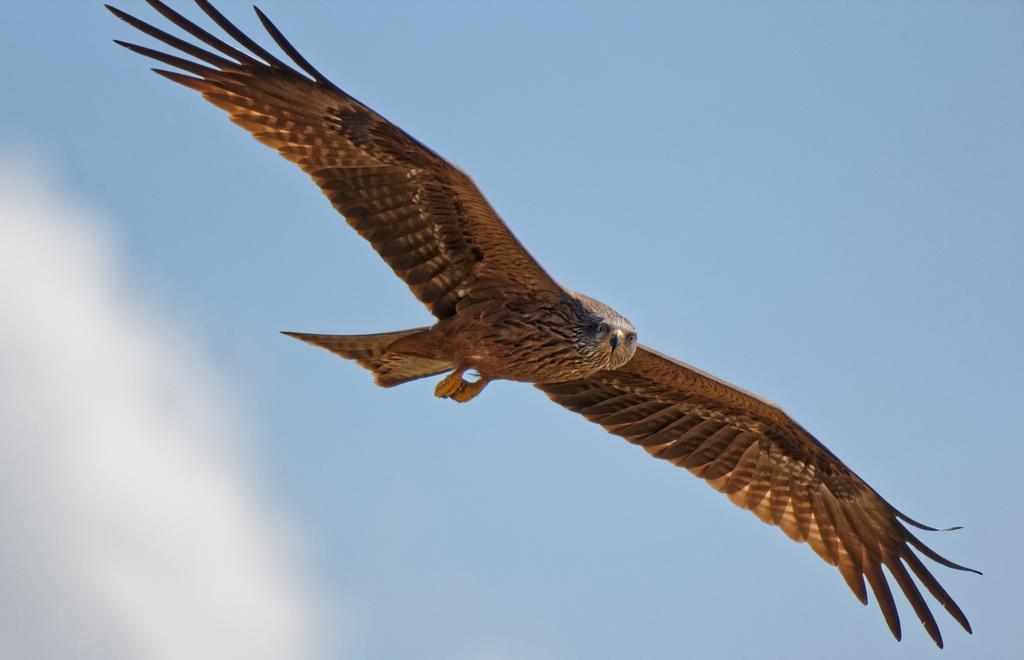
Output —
<point x="500" y="314"/>
<point x="502" y="335"/>
<point x="521" y="338"/>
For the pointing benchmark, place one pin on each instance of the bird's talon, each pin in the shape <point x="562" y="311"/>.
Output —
<point x="468" y="390"/>
<point x="450" y="384"/>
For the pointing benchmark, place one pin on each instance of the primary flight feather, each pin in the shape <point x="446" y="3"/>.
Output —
<point x="501" y="315"/>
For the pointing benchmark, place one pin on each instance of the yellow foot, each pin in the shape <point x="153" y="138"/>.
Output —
<point x="469" y="390"/>
<point x="450" y="384"/>
<point x="454" y="387"/>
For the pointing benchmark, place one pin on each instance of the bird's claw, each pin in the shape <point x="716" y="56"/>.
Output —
<point x="455" y="387"/>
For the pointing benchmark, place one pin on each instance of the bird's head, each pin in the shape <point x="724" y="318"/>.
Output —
<point x="608" y="338"/>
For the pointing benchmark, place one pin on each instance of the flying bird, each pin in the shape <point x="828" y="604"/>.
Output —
<point x="501" y="316"/>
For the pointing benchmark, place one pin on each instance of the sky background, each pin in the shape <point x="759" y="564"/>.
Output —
<point x="821" y="202"/>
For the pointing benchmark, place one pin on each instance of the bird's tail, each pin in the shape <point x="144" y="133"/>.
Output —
<point x="389" y="368"/>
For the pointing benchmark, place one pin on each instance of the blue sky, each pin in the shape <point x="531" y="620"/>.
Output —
<point x="820" y="202"/>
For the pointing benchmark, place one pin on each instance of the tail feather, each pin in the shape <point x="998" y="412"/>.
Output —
<point x="371" y="351"/>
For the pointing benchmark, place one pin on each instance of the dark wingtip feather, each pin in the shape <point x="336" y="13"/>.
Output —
<point x="907" y="519"/>
<point x="181" y="79"/>
<point x="913" y="594"/>
<point x="171" y="40"/>
<point x="239" y="36"/>
<point x="290" y="50"/>
<point x="883" y="595"/>
<point x="936" y="557"/>
<point x="928" y="528"/>
<point x="187" y="65"/>
<point x="936" y="589"/>
<point x="199" y="33"/>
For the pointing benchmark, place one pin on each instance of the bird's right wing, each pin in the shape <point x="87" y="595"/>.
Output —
<point x="752" y="451"/>
<point x="425" y="217"/>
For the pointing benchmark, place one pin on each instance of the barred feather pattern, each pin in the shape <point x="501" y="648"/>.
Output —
<point x="508" y="335"/>
<point x="750" y="450"/>
<point x="424" y="216"/>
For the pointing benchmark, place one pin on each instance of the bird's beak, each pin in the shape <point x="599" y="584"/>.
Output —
<point x="617" y="338"/>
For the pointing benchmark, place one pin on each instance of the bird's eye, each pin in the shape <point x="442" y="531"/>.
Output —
<point x="631" y="338"/>
<point x="603" y="329"/>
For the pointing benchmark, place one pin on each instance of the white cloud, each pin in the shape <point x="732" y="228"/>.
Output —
<point x="129" y="527"/>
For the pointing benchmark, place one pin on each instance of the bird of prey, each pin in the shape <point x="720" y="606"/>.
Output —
<point x="500" y="315"/>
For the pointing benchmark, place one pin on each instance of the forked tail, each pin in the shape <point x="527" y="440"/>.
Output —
<point x="371" y="351"/>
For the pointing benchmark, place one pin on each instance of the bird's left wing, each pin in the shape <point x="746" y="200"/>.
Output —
<point x="749" y="449"/>
<point x="424" y="216"/>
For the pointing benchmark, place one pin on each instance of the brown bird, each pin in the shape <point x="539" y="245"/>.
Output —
<point x="501" y="315"/>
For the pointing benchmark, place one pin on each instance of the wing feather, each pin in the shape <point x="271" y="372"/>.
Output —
<point x="753" y="452"/>
<point x="425" y="217"/>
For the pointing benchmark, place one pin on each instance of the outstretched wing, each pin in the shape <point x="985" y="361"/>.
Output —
<point x="424" y="216"/>
<point x="753" y="452"/>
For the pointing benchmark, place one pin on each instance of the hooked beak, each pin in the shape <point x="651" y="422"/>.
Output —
<point x="617" y="338"/>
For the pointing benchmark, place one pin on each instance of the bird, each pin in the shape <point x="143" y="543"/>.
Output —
<point x="501" y="316"/>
